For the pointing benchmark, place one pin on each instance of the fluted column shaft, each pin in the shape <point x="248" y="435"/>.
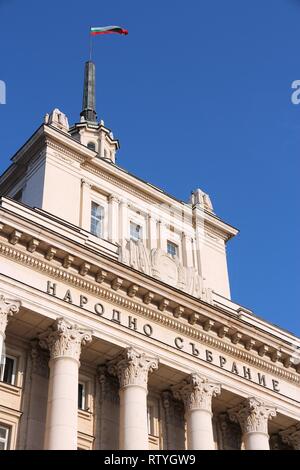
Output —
<point x="253" y="416"/>
<point x="196" y="393"/>
<point x="132" y="369"/>
<point x="64" y="341"/>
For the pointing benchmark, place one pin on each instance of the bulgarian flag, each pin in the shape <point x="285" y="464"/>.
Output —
<point x="107" y="30"/>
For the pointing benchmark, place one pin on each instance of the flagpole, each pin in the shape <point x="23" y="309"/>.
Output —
<point x="91" y="44"/>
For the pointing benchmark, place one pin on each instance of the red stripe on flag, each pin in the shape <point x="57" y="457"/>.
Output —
<point x="111" y="31"/>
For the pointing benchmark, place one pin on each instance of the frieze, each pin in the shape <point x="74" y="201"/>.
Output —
<point x="180" y="343"/>
<point x="138" y="308"/>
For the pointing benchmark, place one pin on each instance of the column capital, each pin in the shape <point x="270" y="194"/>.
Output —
<point x="132" y="367"/>
<point x="291" y="436"/>
<point x="64" y="339"/>
<point x="113" y="198"/>
<point x="196" y="392"/>
<point x="252" y="415"/>
<point x="86" y="183"/>
<point x="8" y="308"/>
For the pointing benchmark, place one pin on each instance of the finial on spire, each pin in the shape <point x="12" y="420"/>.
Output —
<point x="89" y="100"/>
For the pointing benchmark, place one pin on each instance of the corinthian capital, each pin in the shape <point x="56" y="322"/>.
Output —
<point x="252" y="415"/>
<point x="132" y="367"/>
<point x="291" y="436"/>
<point x="63" y="339"/>
<point x="8" y="308"/>
<point x="196" y="392"/>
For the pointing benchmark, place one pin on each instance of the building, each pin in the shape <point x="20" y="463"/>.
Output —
<point x="117" y="326"/>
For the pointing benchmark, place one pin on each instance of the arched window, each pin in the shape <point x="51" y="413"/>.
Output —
<point x="91" y="146"/>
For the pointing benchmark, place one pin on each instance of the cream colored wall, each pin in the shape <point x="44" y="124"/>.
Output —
<point x="62" y="189"/>
<point x="214" y="266"/>
<point x="33" y="184"/>
<point x="55" y="184"/>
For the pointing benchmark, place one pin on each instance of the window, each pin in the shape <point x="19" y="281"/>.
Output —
<point x="172" y="249"/>
<point x="135" y="231"/>
<point x="4" y="437"/>
<point x="152" y="418"/>
<point x="91" y="146"/>
<point x="97" y="216"/>
<point x="8" y="370"/>
<point x="150" y="415"/>
<point x="81" y="396"/>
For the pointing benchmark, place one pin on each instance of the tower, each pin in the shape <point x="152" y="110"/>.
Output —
<point x="89" y="132"/>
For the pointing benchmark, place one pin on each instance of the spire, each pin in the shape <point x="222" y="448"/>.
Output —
<point x="89" y="101"/>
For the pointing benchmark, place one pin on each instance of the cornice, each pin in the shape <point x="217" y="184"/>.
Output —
<point x="155" y="315"/>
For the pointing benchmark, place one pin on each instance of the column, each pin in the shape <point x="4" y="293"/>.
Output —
<point x="132" y="368"/>
<point x="197" y="392"/>
<point x="199" y="241"/>
<point x="187" y="257"/>
<point x="64" y="340"/>
<point x="7" y="309"/>
<point x="123" y="228"/>
<point x="253" y="416"/>
<point x="113" y="218"/>
<point x="152" y="232"/>
<point x="291" y="436"/>
<point x="85" y="219"/>
<point x="160" y="235"/>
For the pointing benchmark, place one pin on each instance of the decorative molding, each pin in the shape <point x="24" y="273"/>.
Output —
<point x="51" y="252"/>
<point x="147" y="299"/>
<point x="32" y="245"/>
<point x="116" y="283"/>
<point x="163" y="304"/>
<point x="262" y="351"/>
<point x="132" y="367"/>
<point x="15" y="237"/>
<point x="252" y="415"/>
<point x="132" y="290"/>
<point x="178" y="311"/>
<point x="154" y="315"/>
<point x="67" y="261"/>
<point x="62" y="150"/>
<point x="249" y="344"/>
<point x="8" y="308"/>
<point x="193" y="318"/>
<point x="208" y="324"/>
<point x="196" y="392"/>
<point x="100" y="276"/>
<point x="222" y="331"/>
<point x="84" y="269"/>
<point x="236" y="338"/>
<point x="64" y="339"/>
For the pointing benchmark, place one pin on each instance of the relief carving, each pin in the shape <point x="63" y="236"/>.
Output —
<point x="8" y="308"/>
<point x="63" y="339"/>
<point x="252" y="415"/>
<point x="196" y="392"/>
<point x="165" y="267"/>
<point x="132" y="367"/>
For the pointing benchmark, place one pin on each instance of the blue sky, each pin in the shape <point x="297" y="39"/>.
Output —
<point x="199" y="94"/>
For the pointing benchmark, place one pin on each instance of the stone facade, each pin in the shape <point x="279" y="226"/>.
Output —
<point x="117" y="330"/>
